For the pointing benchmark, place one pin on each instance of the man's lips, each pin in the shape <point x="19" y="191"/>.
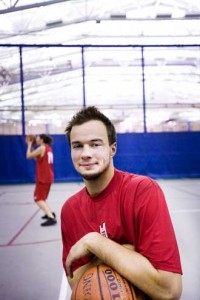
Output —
<point x="87" y="165"/>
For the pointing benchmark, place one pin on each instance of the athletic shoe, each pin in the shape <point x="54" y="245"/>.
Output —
<point x="46" y="217"/>
<point x="49" y="222"/>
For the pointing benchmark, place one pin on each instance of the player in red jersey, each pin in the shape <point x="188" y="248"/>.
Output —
<point x="44" y="174"/>
<point x="118" y="218"/>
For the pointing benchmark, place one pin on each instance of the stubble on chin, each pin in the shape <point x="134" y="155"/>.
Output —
<point x="95" y="176"/>
<point x="91" y="177"/>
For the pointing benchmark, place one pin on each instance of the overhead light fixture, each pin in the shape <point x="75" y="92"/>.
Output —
<point x="163" y="16"/>
<point x="54" y="23"/>
<point x="192" y="16"/>
<point x="118" y="16"/>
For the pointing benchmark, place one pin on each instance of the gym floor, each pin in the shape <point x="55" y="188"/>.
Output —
<point x="31" y="255"/>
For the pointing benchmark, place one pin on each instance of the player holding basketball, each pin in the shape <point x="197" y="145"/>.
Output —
<point x="44" y="174"/>
<point x="120" y="219"/>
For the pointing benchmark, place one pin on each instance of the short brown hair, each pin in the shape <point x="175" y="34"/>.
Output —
<point x="88" y="114"/>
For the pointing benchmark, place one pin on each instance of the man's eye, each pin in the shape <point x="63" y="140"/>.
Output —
<point x="96" y="144"/>
<point x="76" y="146"/>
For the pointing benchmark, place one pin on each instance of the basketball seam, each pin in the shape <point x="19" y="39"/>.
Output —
<point x="99" y="281"/>
<point x="129" y="284"/>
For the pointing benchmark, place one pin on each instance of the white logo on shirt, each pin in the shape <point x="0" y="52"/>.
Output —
<point x="103" y="230"/>
<point x="50" y="157"/>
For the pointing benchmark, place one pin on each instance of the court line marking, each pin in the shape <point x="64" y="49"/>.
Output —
<point x="65" y="290"/>
<point x="22" y="228"/>
<point x="30" y="243"/>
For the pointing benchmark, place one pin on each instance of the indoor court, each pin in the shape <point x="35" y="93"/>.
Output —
<point x="138" y="61"/>
<point x="30" y="259"/>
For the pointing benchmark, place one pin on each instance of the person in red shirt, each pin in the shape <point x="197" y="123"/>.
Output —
<point x="118" y="218"/>
<point x="44" y="174"/>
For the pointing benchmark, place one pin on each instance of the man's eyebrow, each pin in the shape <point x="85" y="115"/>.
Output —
<point x="97" y="140"/>
<point x="75" y="142"/>
<point x="92" y="140"/>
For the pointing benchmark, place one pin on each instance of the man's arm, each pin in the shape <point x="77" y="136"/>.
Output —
<point x="133" y="266"/>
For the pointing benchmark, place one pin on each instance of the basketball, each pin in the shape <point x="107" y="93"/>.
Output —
<point x="103" y="283"/>
<point x="31" y="138"/>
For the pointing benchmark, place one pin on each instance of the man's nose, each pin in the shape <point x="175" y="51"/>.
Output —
<point x="86" y="151"/>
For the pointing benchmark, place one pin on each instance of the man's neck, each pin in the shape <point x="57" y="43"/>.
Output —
<point x="96" y="186"/>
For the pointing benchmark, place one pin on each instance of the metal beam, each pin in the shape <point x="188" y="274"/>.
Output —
<point x="30" y="6"/>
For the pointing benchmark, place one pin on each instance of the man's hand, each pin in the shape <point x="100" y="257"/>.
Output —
<point x="76" y="252"/>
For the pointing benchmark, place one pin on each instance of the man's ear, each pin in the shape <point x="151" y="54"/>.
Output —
<point x="113" y="149"/>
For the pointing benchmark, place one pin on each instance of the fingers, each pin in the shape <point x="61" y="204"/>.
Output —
<point x="69" y="266"/>
<point x="69" y="272"/>
<point x="77" y="251"/>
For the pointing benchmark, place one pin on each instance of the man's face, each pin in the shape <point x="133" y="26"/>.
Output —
<point x="90" y="150"/>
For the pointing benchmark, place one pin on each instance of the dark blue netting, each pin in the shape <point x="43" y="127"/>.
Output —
<point x="159" y="155"/>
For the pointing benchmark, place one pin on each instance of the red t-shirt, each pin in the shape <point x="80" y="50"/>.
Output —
<point x="131" y="210"/>
<point x="44" y="166"/>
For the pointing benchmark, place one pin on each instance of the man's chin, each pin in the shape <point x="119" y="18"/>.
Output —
<point x="92" y="176"/>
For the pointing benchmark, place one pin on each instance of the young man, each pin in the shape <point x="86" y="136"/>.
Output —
<point x="118" y="218"/>
<point x="44" y="174"/>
